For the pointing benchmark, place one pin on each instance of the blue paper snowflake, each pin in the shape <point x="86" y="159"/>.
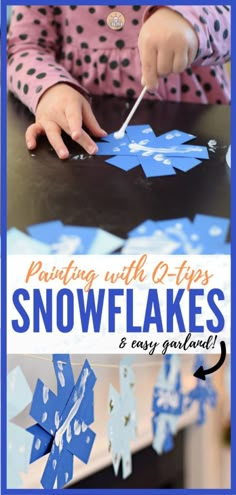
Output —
<point x="19" y="441"/>
<point x="122" y="422"/>
<point x="205" y="235"/>
<point x="167" y="404"/>
<point x="55" y="238"/>
<point x="158" y="155"/>
<point x="203" y="393"/>
<point x="63" y="420"/>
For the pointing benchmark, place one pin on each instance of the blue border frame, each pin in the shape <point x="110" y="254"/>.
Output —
<point x="3" y="244"/>
<point x="4" y="490"/>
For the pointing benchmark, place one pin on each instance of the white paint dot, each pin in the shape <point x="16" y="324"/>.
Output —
<point x="84" y="427"/>
<point x="66" y="477"/>
<point x="194" y="237"/>
<point x="57" y="419"/>
<point x="60" y="365"/>
<point x="158" y="158"/>
<point x="169" y="136"/>
<point x="214" y="231"/>
<point x="21" y="449"/>
<point x="54" y="463"/>
<point x="167" y="162"/>
<point x="44" y="417"/>
<point x="61" y="445"/>
<point x="37" y="444"/>
<point x="61" y="378"/>
<point x="68" y="433"/>
<point x="77" y="427"/>
<point x="147" y="130"/>
<point x="87" y="439"/>
<point x="45" y="394"/>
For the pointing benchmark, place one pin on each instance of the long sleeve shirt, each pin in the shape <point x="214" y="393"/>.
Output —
<point x="81" y="46"/>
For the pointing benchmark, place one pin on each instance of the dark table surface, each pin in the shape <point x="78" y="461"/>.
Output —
<point x="90" y="192"/>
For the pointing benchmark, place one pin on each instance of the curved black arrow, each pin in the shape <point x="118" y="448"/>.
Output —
<point x="201" y="373"/>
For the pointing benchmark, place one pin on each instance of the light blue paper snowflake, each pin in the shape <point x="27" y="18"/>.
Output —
<point x="203" y="393"/>
<point x="158" y="155"/>
<point x="205" y="235"/>
<point x="63" y="420"/>
<point x="122" y="422"/>
<point x="167" y="404"/>
<point x="19" y="441"/>
<point x="55" y="238"/>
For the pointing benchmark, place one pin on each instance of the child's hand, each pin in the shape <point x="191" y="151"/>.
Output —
<point x="63" y="108"/>
<point x="167" y="43"/>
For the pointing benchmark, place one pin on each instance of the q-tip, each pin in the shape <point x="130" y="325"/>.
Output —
<point x="119" y="134"/>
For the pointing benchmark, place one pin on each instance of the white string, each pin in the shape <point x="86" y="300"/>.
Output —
<point x="98" y="365"/>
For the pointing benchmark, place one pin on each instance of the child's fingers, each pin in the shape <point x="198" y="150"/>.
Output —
<point x="91" y="122"/>
<point x="180" y="62"/>
<point x="164" y="62"/>
<point x="87" y="143"/>
<point x="192" y="52"/>
<point x="74" y="121"/>
<point x="53" y="133"/>
<point x="32" y="132"/>
<point x="148" y="58"/>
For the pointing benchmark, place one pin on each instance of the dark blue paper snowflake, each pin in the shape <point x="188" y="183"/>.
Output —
<point x="203" y="393"/>
<point x="158" y="155"/>
<point x="63" y="420"/>
<point x="167" y="404"/>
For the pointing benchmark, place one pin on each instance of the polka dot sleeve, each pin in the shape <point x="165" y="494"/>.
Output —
<point x="33" y="46"/>
<point x="212" y="25"/>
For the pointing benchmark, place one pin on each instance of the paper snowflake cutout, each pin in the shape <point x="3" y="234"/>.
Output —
<point x="66" y="239"/>
<point x="19" y="441"/>
<point x="167" y="404"/>
<point x="205" y="235"/>
<point x="122" y="422"/>
<point x="56" y="238"/>
<point x="63" y="420"/>
<point x="158" y="155"/>
<point x="203" y="393"/>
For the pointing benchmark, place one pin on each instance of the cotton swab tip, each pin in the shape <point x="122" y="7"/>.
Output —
<point x="119" y="134"/>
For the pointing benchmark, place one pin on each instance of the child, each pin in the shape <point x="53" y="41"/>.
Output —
<point x="60" y="54"/>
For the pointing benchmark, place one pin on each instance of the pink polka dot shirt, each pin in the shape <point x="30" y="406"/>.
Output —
<point x="75" y="45"/>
